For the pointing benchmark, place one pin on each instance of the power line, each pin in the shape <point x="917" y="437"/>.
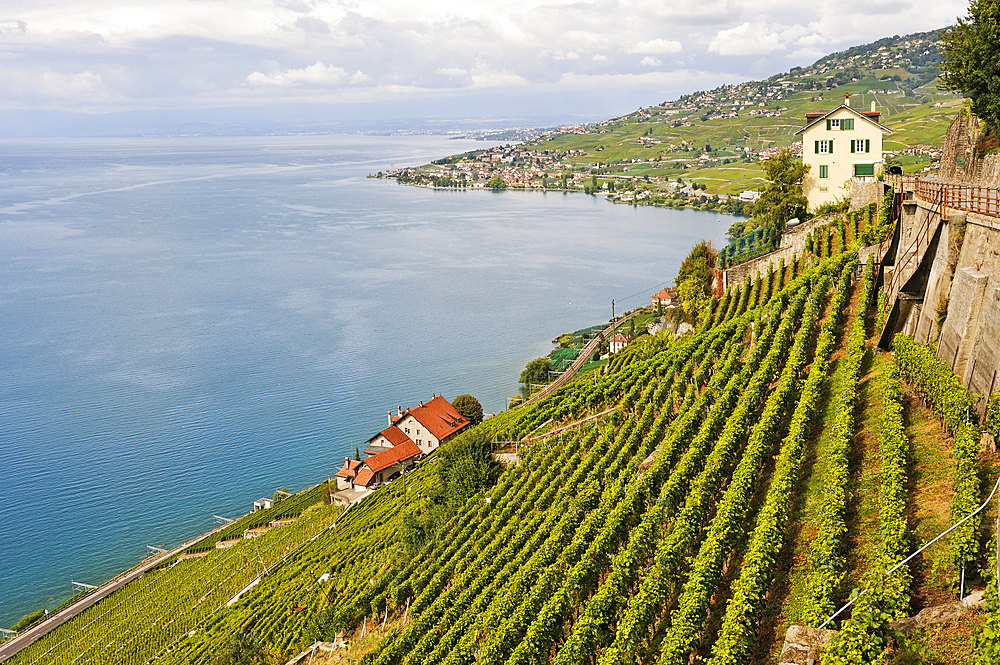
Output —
<point x="653" y="288"/>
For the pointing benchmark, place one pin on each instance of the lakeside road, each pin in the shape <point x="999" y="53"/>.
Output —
<point x="25" y="638"/>
<point x="581" y="359"/>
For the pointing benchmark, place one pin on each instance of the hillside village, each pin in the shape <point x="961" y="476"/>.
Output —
<point x="703" y="150"/>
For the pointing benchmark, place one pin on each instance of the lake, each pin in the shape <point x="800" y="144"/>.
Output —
<point x="189" y="324"/>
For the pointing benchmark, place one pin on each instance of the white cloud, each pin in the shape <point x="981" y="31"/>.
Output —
<point x="656" y="46"/>
<point x="746" y="39"/>
<point x="317" y="74"/>
<point x="68" y="85"/>
<point x="566" y="55"/>
<point x="176" y="54"/>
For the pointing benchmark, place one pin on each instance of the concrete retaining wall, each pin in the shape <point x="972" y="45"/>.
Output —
<point x="793" y="243"/>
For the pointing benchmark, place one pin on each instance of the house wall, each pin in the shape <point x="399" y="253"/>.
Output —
<point x="841" y="161"/>
<point x="418" y="434"/>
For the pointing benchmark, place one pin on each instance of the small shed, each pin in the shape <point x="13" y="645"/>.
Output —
<point x="262" y="504"/>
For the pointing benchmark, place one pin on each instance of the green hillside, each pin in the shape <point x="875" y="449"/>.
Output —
<point x="717" y="137"/>
<point x="742" y="478"/>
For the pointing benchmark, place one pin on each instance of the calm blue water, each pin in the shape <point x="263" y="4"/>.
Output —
<point x="188" y="324"/>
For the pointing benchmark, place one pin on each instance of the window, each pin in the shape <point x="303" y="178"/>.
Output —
<point x="824" y="147"/>
<point x="864" y="169"/>
<point x="861" y="145"/>
<point x="407" y="430"/>
<point x="824" y="171"/>
<point x="824" y="189"/>
<point x="833" y="124"/>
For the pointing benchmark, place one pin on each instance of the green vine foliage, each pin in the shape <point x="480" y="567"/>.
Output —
<point x="993" y="416"/>
<point x="879" y="232"/>
<point x="943" y="390"/>
<point x="826" y="558"/>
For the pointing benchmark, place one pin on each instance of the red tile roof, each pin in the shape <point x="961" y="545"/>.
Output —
<point x="364" y="477"/>
<point x="384" y="460"/>
<point x="350" y="468"/>
<point x="439" y="417"/>
<point x="393" y="435"/>
<point x="621" y="338"/>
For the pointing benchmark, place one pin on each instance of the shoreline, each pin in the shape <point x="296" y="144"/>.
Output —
<point x="602" y="194"/>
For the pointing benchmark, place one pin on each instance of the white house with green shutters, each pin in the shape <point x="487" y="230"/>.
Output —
<point x="839" y="145"/>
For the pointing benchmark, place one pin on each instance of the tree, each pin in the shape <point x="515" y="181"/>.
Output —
<point x="536" y="371"/>
<point x="695" y="278"/>
<point x="470" y="408"/>
<point x="467" y="466"/>
<point x="496" y="182"/>
<point x="972" y="60"/>
<point x="782" y="198"/>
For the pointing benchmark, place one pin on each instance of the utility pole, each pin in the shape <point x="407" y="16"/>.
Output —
<point x="612" y="309"/>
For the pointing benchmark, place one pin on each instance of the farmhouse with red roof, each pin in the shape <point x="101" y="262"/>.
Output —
<point x="345" y="477"/>
<point x="619" y="342"/>
<point x="429" y="424"/>
<point x="666" y="298"/>
<point x="385" y="440"/>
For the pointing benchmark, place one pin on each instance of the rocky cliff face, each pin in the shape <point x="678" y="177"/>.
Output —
<point x="967" y="156"/>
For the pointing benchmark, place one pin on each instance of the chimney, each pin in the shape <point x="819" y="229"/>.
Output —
<point x="399" y="411"/>
<point x="389" y="413"/>
<point x="873" y="106"/>
<point x="847" y="99"/>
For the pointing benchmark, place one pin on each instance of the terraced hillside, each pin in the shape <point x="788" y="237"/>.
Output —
<point x="747" y="476"/>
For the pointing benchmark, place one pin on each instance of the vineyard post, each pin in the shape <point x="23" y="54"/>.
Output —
<point x="386" y="616"/>
<point x="407" y="611"/>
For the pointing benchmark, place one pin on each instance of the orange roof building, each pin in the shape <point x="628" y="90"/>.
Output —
<point x="619" y="342"/>
<point x="430" y="424"/>
<point x="666" y="297"/>
<point x="345" y="477"/>
<point x="379" y="468"/>
<point x="387" y="439"/>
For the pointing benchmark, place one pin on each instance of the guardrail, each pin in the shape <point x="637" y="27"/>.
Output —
<point x="951" y="195"/>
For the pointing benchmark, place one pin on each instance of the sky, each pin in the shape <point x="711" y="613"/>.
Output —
<point x="272" y="63"/>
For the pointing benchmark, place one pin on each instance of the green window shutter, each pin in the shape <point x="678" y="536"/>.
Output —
<point x="847" y="124"/>
<point x="817" y="147"/>
<point x="864" y="169"/>
<point x="824" y="171"/>
<point x="827" y="124"/>
<point x="868" y="145"/>
<point x="852" y="146"/>
<point x="831" y="146"/>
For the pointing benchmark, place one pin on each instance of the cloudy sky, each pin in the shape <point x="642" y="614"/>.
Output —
<point x="551" y="59"/>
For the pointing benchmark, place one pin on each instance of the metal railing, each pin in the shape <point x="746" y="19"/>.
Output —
<point x="951" y="195"/>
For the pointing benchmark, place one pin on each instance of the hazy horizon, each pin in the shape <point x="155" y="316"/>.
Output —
<point x="94" y="68"/>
